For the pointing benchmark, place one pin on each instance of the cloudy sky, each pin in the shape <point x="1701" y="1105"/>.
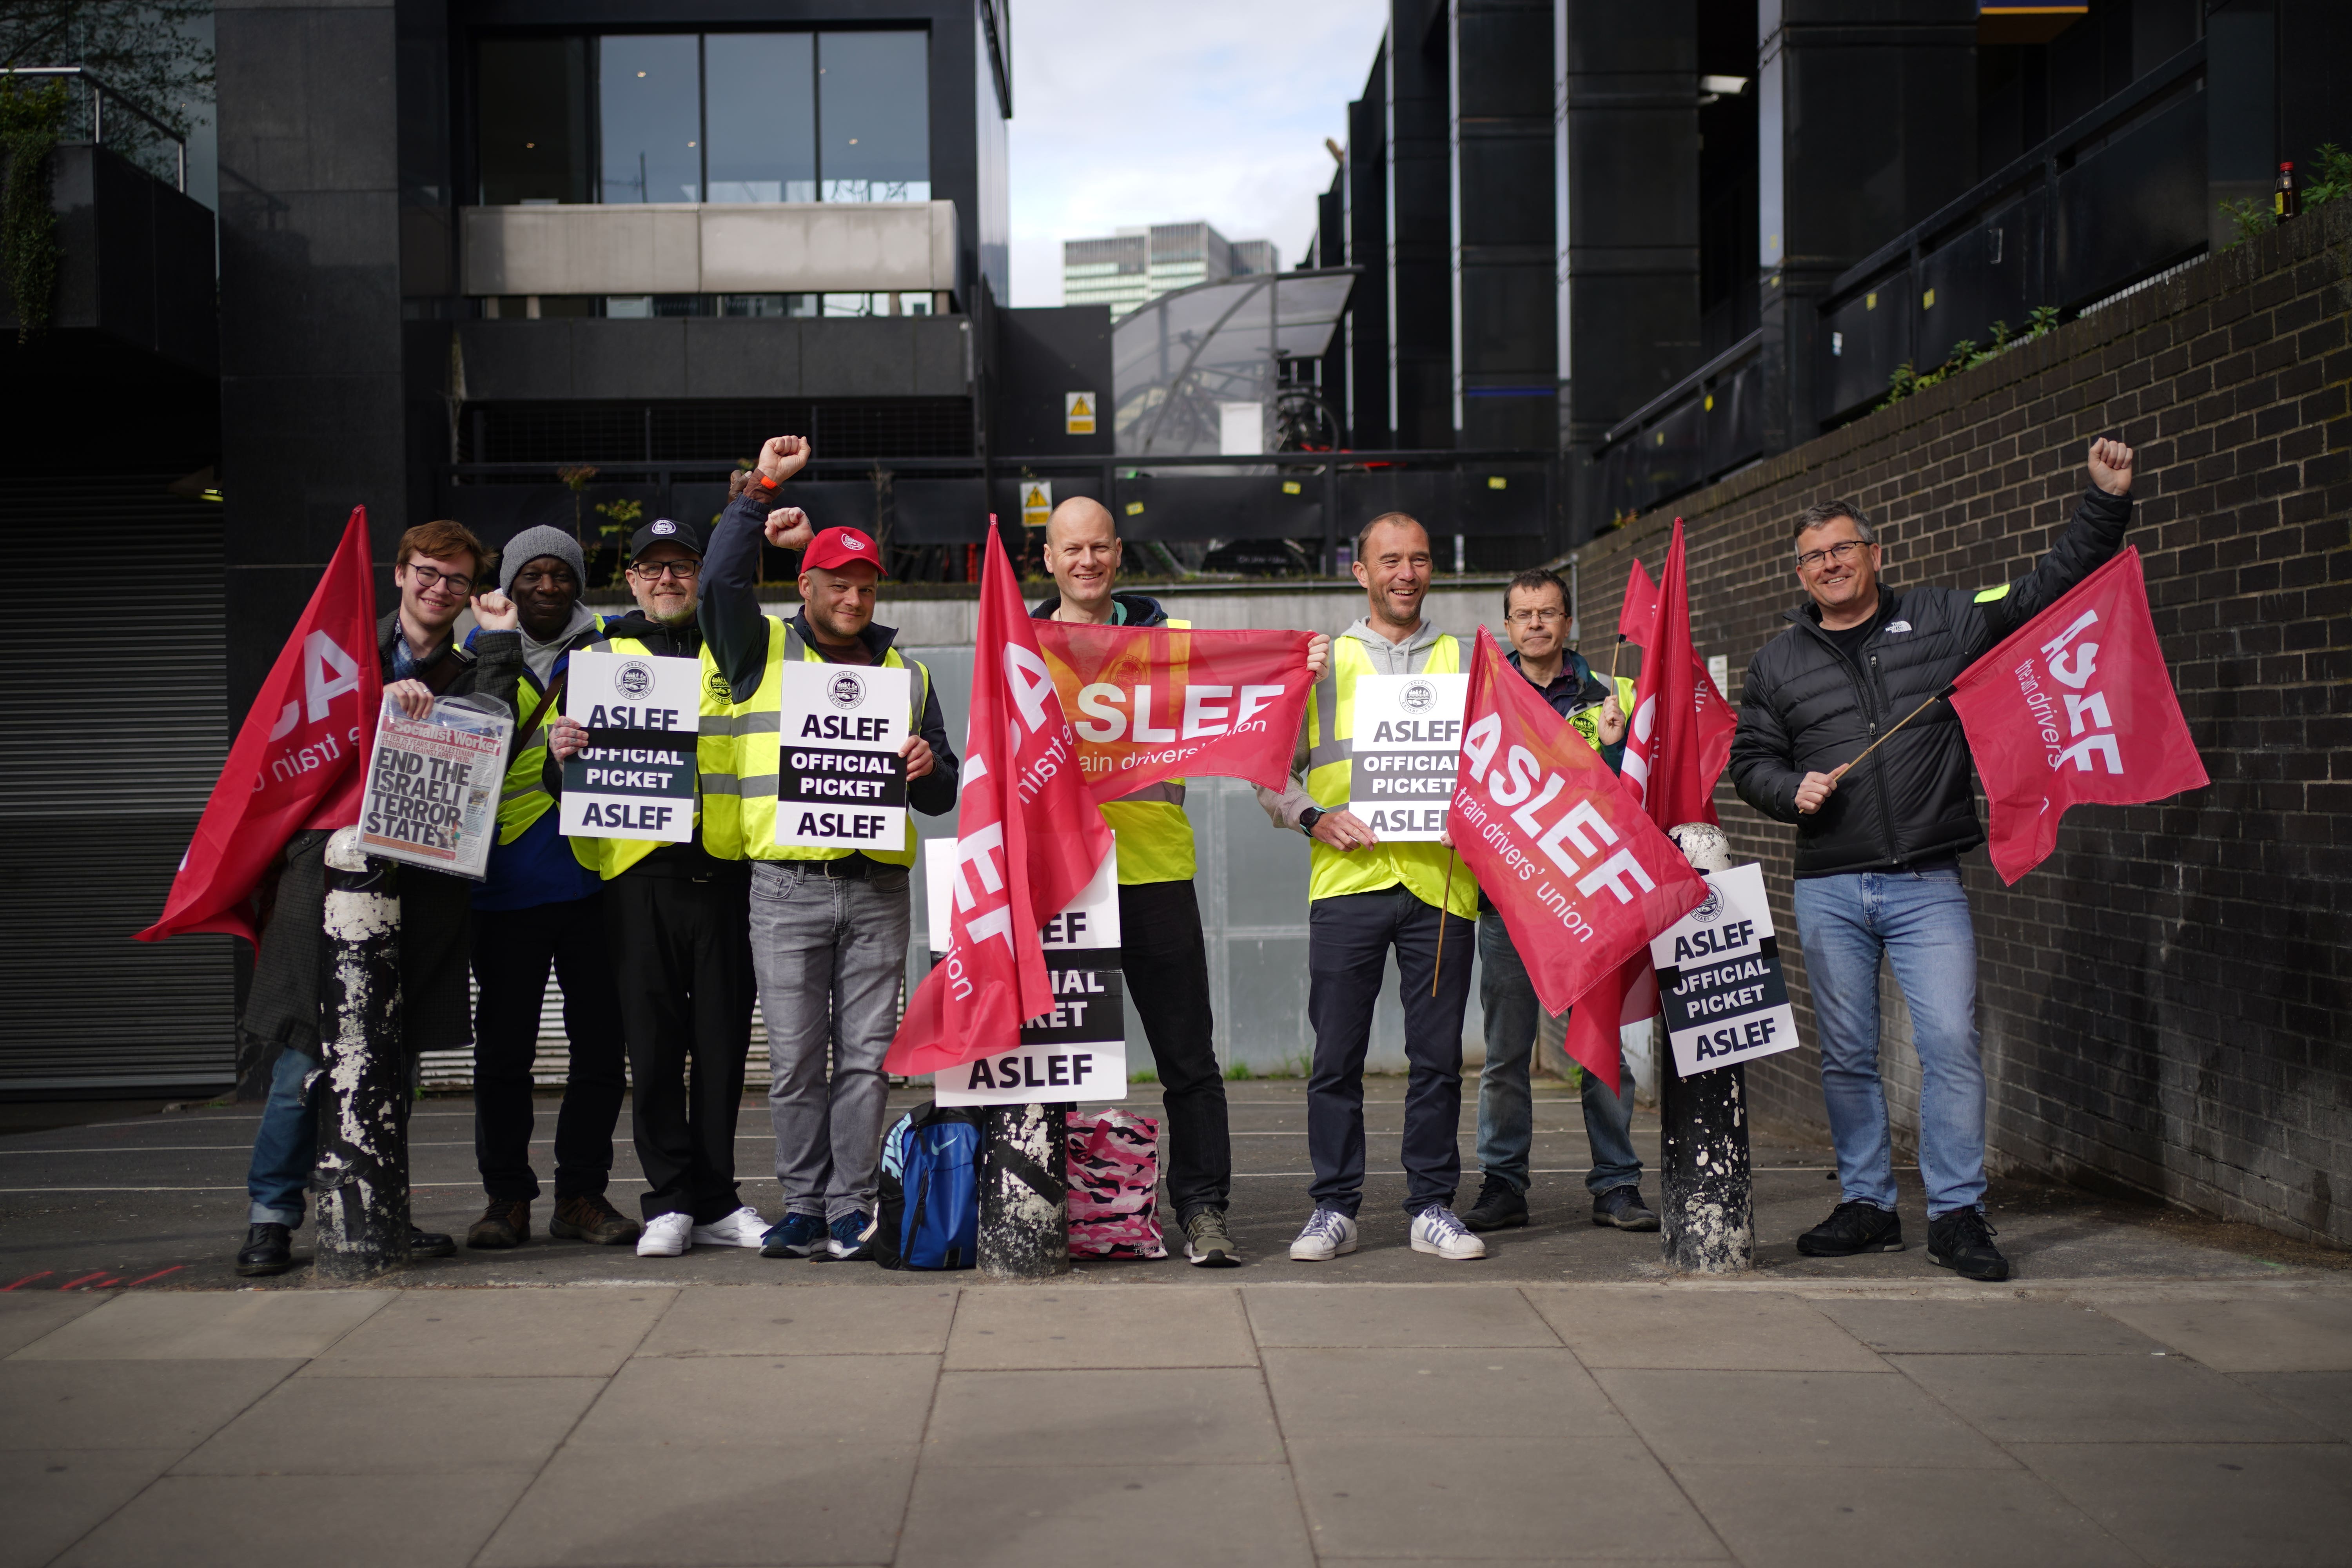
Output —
<point x="1133" y="112"/>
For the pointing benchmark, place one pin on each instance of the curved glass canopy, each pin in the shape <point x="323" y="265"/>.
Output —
<point x="1183" y="363"/>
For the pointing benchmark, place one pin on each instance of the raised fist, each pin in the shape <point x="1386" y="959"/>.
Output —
<point x="789" y="529"/>
<point x="494" y="612"/>
<point x="784" y="456"/>
<point x="2111" y="466"/>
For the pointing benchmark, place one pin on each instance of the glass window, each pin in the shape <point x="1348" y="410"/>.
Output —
<point x="760" y="114"/>
<point x="650" y="101"/>
<point x="533" y="126"/>
<point x="873" y="116"/>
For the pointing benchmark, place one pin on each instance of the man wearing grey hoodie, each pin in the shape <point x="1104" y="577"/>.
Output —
<point x="1366" y="898"/>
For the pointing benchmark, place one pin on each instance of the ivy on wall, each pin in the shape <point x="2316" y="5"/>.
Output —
<point x="29" y="121"/>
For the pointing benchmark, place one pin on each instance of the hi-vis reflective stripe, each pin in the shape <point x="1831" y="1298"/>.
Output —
<point x="1988" y="595"/>
<point x="745" y="724"/>
<point x="1329" y="748"/>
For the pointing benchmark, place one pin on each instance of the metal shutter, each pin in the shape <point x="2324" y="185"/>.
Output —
<point x="114" y="714"/>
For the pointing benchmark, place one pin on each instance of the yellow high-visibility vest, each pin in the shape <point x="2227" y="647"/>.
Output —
<point x="522" y="798"/>
<point x="1588" y="723"/>
<point x="1155" y="836"/>
<point x="756" y="729"/>
<point x="714" y="757"/>
<point x="1330" y="770"/>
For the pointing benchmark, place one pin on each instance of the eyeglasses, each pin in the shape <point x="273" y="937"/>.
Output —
<point x="654" y="571"/>
<point x="1841" y="552"/>
<point x="1535" y="617"/>
<point x="426" y="577"/>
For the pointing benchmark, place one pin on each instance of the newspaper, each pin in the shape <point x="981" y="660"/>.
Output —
<point x="433" y="785"/>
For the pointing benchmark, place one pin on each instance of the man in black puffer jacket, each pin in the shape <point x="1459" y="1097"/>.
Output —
<point x="1878" y="857"/>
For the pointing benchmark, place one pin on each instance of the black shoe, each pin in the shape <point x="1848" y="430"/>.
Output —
<point x="504" y="1225"/>
<point x="1622" y="1207"/>
<point x="429" y="1244"/>
<point x="1962" y="1242"/>
<point x="1853" y="1227"/>
<point x="1500" y="1206"/>
<point x="269" y="1249"/>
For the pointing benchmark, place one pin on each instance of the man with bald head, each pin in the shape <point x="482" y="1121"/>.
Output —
<point x="1161" y="951"/>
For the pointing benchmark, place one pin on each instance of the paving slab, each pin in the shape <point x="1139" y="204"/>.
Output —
<point x="252" y="1521"/>
<point x="2322" y="1398"/>
<point x="1803" y="1516"/>
<point x="127" y="1404"/>
<point x="685" y="1506"/>
<point x="1851" y="1420"/>
<point x="498" y="1333"/>
<point x="754" y="1320"/>
<point x="53" y="1499"/>
<point x="1983" y="1328"/>
<point x="782" y="1402"/>
<point x="2266" y="1332"/>
<point x="26" y="1317"/>
<point x="1751" y="1331"/>
<point x="2101" y="1399"/>
<point x="969" y="1517"/>
<point x="1177" y="1416"/>
<point x="1053" y="1327"/>
<point x="1394" y="1316"/>
<point x="1485" y="1394"/>
<point x="1396" y="1497"/>
<point x="2198" y="1505"/>
<point x="181" y="1325"/>
<point x="396" y="1427"/>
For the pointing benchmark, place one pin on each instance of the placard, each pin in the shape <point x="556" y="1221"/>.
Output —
<point x="1719" y="977"/>
<point x="634" y="779"/>
<point x="840" y="782"/>
<point x="1408" y="746"/>
<point x="433" y="787"/>
<point x="1077" y="1052"/>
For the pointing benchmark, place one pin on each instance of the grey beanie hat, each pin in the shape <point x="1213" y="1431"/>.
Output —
<point x="533" y="542"/>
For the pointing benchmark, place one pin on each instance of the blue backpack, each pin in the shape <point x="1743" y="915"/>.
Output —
<point x="929" y="1190"/>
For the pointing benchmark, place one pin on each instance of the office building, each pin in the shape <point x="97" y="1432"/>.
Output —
<point x="1133" y="264"/>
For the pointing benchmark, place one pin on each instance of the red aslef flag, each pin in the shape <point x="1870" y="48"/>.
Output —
<point x="1028" y="840"/>
<point x="1639" y="612"/>
<point x="1677" y="740"/>
<point x="301" y="761"/>
<point x="1152" y="704"/>
<point x="1581" y="875"/>
<point x="2075" y="708"/>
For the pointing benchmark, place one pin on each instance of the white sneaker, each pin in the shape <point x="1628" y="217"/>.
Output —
<point x="1437" y="1229"/>
<point x="665" y="1235"/>
<point x="744" y="1227"/>
<point x="1328" y="1234"/>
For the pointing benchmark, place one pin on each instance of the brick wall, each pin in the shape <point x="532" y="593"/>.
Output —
<point x="2165" y="1000"/>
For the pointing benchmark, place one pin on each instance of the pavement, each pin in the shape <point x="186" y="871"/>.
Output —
<point x="2149" y="1389"/>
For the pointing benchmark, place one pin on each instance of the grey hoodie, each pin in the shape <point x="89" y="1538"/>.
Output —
<point x="1409" y="656"/>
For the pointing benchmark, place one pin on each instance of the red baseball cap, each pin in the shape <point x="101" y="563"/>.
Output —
<point x="837" y="547"/>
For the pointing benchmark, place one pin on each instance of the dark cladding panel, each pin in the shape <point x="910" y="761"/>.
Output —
<point x="1867" y="337"/>
<point x="1180" y="506"/>
<point x="937" y="512"/>
<point x="2133" y="205"/>
<point x="1041" y="356"/>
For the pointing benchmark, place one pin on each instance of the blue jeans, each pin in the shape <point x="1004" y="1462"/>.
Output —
<point x="286" y="1148"/>
<point x="1505" y="1103"/>
<point x="1919" y="920"/>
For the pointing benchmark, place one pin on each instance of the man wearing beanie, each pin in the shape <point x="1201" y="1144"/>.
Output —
<point x="539" y="906"/>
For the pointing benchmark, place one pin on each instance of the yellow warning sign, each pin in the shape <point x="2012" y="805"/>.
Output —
<point x="1037" y="503"/>
<point x="1077" y="413"/>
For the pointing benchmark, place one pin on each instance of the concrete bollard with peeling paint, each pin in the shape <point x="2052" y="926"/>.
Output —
<point x="1707" y="1219"/>
<point x="1025" y="1192"/>
<point x="362" y="1179"/>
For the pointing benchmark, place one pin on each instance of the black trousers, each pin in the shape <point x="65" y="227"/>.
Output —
<point x="1348" y="941"/>
<point x="513" y="951"/>
<point x="1165" y="965"/>
<point x="682" y="959"/>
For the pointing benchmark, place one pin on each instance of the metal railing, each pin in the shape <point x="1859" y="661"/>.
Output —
<point x="1697" y="430"/>
<point x="99" y="93"/>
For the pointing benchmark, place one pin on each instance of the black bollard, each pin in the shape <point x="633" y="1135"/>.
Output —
<point x="1707" y="1218"/>
<point x="1025" y="1194"/>
<point x="361" y="1178"/>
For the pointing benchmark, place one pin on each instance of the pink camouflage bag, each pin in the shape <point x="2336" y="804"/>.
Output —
<point x="1114" y="1168"/>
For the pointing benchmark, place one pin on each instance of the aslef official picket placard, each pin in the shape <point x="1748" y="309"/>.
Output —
<point x="1076" y="1053"/>
<point x="634" y="779"/>
<point x="840" y="782"/>
<point x="1407" y="749"/>
<point x="1719" y="977"/>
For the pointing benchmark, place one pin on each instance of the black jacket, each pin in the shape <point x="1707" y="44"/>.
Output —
<point x="1805" y="707"/>
<point x="1142" y="609"/>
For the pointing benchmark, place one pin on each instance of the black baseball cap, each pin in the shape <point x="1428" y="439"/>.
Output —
<point x="662" y="530"/>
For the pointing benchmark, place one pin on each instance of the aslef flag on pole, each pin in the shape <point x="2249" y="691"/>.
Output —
<point x="1678" y="739"/>
<point x="2075" y="708"/>
<point x="1028" y="840"/>
<point x="301" y="761"/>
<point x="1581" y="875"/>
<point x="1639" y="612"/>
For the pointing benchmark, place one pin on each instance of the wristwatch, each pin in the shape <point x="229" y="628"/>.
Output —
<point x="1308" y="818"/>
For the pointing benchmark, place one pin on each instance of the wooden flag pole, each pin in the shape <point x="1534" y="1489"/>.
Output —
<point x="1614" y="659"/>
<point x="1890" y="733"/>
<point x="1444" y="899"/>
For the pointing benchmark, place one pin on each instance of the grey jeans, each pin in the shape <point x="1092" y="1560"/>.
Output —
<point x="830" y="953"/>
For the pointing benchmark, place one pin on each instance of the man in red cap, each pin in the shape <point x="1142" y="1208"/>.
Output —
<point x="829" y="926"/>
